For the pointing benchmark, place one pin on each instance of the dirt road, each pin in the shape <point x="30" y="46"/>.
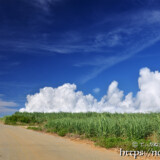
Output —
<point x="17" y="143"/>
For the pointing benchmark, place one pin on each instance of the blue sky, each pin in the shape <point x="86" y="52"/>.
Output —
<point x="86" y="42"/>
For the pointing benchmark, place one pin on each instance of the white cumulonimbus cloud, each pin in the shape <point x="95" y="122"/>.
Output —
<point x="66" y="99"/>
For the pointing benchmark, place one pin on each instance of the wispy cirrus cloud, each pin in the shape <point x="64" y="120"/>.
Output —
<point x="111" y="61"/>
<point x="133" y="33"/>
<point x="7" y="104"/>
<point x="124" y="36"/>
<point x="6" y="65"/>
<point x="7" y="107"/>
<point x="44" y="4"/>
<point x="142" y="33"/>
<point x="96" y="90"/>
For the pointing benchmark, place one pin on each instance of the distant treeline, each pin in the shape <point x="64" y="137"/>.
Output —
<point x="106" y="129"/>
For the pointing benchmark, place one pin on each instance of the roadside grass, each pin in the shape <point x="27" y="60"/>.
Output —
<point x="105" y="129"/>
<point x="35" y="128"/>
<point x="2" y="119"/>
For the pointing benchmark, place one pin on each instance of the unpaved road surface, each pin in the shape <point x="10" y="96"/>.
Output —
<point x="17" y="143"/>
